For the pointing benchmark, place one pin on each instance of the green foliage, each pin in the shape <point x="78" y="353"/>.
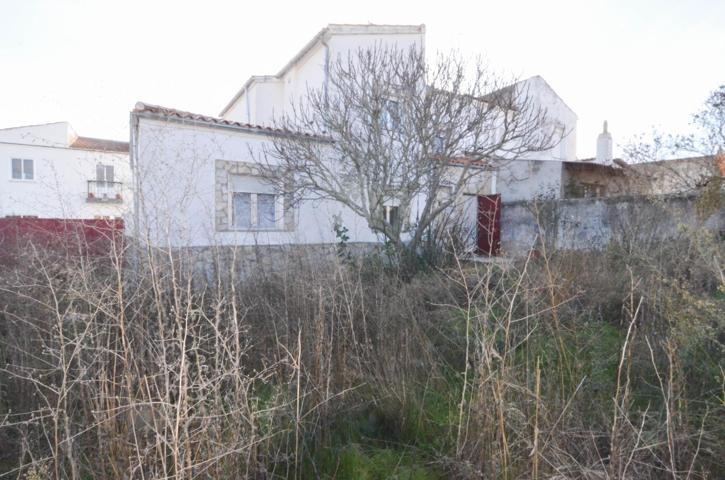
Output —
<point x="355" y="462"/>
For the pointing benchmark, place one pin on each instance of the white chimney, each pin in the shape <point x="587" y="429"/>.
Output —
<point x="604" y="146"/>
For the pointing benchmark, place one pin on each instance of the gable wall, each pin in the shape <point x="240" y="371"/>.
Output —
<point x="59" y="134"/>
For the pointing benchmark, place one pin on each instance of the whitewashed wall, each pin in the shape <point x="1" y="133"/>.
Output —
<point x="271" y="96"/>
<point x="176" y="162"/>
<point x="539" y="174"/>
<point x="174" y="171"/>
<point x="175" y="176"/>
<point x="59" y="187"/>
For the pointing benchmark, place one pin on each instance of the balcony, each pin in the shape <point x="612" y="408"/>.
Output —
<point x="104" y="192"/>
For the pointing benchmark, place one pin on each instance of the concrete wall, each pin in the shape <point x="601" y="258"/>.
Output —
<point x="583" y="224"/>
<point x="527" y="179"/>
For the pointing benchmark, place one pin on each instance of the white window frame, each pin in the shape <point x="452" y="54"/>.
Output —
<point x="254" y="213"/>
<point x="105" y="168"/>
<point x="23" y="172"/>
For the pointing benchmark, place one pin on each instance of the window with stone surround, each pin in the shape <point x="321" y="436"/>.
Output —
<point x="245" y="201"/>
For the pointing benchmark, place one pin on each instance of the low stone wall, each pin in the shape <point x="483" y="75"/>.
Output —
<point x="592" y="223"/>
<point x="209" y="264"/>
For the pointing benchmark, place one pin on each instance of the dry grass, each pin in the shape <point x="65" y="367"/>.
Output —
<point x="566" y="365"/>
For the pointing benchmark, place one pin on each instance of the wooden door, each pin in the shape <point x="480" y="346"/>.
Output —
<point x="489" y="224"/>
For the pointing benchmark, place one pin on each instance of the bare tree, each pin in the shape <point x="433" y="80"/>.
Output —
<point x="393" y="129"/>
<point x="698" y="155"/>
<point x="709" y="138"/>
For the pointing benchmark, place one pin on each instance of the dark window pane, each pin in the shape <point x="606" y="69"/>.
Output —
<point x="394" y="217"/>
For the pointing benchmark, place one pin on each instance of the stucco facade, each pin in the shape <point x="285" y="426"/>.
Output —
<point x="186" y="164"/>
<point x="183" y="169"/>
<point x="47" y="171"/>
<point x="264" y="97"/>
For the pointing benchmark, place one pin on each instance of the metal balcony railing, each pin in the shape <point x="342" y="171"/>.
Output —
<point x="101" y="191"/>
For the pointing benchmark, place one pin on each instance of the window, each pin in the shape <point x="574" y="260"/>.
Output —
<point x="438" y="144"/>
<point x="392" y="215"/>
<point x="255" y="205"/>
<point x="266" y="211"/>
<point x="22" y="169"/>
<point x="242" y="210"/>
<point x="104" y="174"/>
<point x="254" y="211"/>
<point x="390" y="118"/>
<point x="592" y="190"/>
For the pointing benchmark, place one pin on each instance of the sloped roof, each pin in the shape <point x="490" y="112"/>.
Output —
<point x="197" y="117"/>
<point x="466" y="161"/>
<point x="90" y="143"/>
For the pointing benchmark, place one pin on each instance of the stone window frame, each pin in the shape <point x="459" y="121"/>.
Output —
<point x="224" y="169"/>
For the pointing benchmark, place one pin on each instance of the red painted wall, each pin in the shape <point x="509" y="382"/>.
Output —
<point x="93" y="237"/>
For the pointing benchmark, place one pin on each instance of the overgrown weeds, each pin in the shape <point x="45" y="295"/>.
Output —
<point x="561" y="365"/>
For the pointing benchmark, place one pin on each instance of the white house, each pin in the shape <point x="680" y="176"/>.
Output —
<point x="48" y="171"/>
<point x="543" y="173"/>
<point x="198" y="183"/>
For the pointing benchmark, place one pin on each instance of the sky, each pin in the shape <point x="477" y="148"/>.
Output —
<point x="637" y="63"/>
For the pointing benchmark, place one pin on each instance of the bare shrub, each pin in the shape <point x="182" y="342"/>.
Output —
<point x="561" y="365"/>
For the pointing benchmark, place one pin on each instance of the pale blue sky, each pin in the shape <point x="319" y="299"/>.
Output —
<point x="637" y="63"/>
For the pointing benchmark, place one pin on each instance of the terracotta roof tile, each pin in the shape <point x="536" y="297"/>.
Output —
<point x="466" y="161"/>
<point x="89" y="143"/>
<point x="183" y="115"/>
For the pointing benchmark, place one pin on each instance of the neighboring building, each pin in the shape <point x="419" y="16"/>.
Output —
<point x="541" y="174"/>
<point x="605" y="176"/>
<point x="673" y="176"/>
<point x="49" y="172"/>
<point x="198" y="183"/>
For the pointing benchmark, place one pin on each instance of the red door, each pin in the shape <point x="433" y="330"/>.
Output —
<point x="489" y="224"/>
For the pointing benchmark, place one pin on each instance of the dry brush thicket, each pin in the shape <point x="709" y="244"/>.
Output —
<point x="559" y="365"/>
